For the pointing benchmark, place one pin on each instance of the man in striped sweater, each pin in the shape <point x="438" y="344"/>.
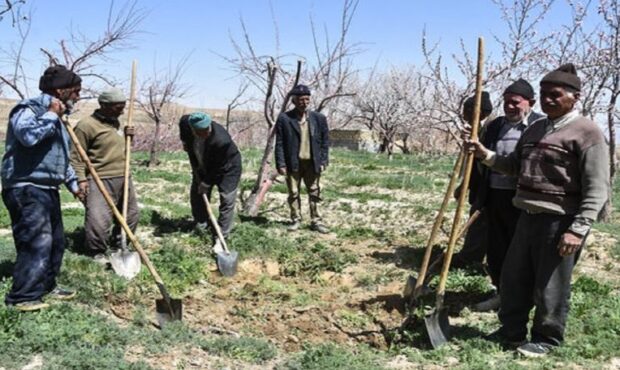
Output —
<point x="562" y="166"/>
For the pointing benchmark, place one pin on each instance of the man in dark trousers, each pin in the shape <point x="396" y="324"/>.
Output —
<point x="103" y="139"/>
<point x="35" y="164"/>
<point x="302" y="153"/>
<point x="562" y="165"/>
<point x="215" y="161"/>
<point x="494" y="190"/>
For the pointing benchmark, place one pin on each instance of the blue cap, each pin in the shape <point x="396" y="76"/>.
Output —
<point x="199" y="120"/>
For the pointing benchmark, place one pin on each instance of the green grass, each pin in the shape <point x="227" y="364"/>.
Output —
<point x="84" y="334"/>
<point x="252" y="350"/>
<point x="329" y="356"/>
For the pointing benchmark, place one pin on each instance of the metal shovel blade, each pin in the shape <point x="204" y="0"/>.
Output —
<point x="438" y="327"/>
<point x="168" y="310"/>
<point x="227" y="262"/>
<point x="125" y="263"/>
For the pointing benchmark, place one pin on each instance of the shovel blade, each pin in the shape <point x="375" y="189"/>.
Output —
<point x="167" y="311"/>
<point x="227" y="262"/>
<point x="412" y="296"/>
<point x="125" y="263"/>
<point x="438" y="327"/>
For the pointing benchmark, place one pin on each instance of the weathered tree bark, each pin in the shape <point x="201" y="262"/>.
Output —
<point x="266" y="177"/>
<point x="611" y="126"/>
<point x="153" y="152"/>
<point x="266" y="173"/>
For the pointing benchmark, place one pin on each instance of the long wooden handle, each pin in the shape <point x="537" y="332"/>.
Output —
<point x="216" y="226"/>
<point x="132" y="97"/>
<point x="469" y="161"/>
<point x="117" y="214"/>
<point x="456" y="170"/>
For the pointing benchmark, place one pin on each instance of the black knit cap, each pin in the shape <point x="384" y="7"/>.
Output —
<point x="485" y="103"/>
<point x="300" y="90"/>
<point x="565" y="75"/>
<point x="522" y="88"/>
<point x="58" y="77"/>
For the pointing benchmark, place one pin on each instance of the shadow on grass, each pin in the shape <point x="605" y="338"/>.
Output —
<point x="464" y="332"/>
<point x="457" y="301"/>
<point x="164" y="225"/>
<point x="6" y="269"/>
<point x="409" y="258"/>
<point x="76" y="242"/>
<point x="388" y="302"/>
<point x="262" y="220"/>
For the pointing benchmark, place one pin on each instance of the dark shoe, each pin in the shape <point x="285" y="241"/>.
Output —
<point x="491" y="304"/>
<point x="532" y="349"/>
<point x="505" y="341"/>
<point x="319" y="228"/>
<point x="61" y="294"/>
<point x="294" y="226"/>
<point x="30" y="306"/>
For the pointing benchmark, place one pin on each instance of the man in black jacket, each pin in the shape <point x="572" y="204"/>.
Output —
<point x="215" y="161"/>
<point x="494" y="191"/>
<point x="302" y="152"/>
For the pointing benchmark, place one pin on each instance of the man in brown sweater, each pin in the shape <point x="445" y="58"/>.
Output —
<point x="103" y="140"/>
<point x="562" y="169"/>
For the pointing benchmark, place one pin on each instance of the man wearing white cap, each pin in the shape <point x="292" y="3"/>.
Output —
<point x="103" y="140"/>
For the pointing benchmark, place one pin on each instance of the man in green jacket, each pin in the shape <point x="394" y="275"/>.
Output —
<point x="103" y="140"/>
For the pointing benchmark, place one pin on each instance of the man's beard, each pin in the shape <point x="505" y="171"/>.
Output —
<point x="69" y="104"/>
<point x="517" y="117"/>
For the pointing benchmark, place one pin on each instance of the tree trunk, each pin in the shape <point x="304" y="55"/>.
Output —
<point x="153" y="160"/>
<point x="613" y="160"/>
<point x="265" y="178"/>
<point x="607" y="212"/>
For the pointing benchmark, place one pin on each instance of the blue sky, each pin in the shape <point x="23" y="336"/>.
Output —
<point x="390" y="30"/>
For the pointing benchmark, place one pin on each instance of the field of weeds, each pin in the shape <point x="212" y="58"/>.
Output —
<point x="301" y="300"/>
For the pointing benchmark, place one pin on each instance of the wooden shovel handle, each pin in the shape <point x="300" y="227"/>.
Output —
<point x="132" y="97"/>
<point x="456" y="170"/>
<point x="469" y="161"/>
<point x="216" y="226"/>
<point x="117" y="214"/>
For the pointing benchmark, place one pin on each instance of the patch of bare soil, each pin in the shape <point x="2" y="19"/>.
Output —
<point x="339" y="310"/>
<point x="595" y="260"/>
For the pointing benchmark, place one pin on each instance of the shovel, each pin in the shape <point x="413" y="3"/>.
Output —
<point x="226" y="260"/>
<point x="413" y="287"/>
<point x="168" y="309"/>
<point x="437" y="323"/>
<point x="124" y="262"/>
